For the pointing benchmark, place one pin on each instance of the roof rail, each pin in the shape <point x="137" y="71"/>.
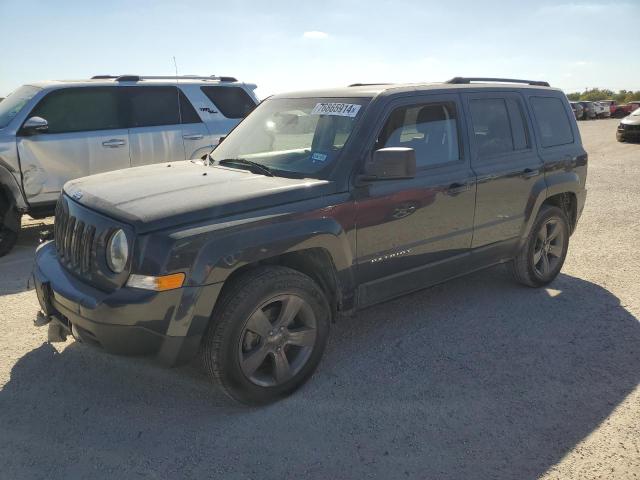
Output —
<point x="367" y="84"/>
<point x="459" y="80"/>
<point x="137" y="78"/>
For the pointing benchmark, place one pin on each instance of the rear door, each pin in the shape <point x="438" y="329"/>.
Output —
<point x="87" y="134"/>
<point x="507" y="168"/>
<point x="155" y="133"/>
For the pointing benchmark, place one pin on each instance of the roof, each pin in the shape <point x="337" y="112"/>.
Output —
<point x="374" y="90"/>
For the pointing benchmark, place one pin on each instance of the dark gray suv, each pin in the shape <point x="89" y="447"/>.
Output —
<point x="316" y="205"/>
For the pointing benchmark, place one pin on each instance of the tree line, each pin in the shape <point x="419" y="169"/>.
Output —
<point x="623" y="96"/>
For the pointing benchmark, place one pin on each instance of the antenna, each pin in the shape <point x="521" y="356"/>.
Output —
<point x="175" y="65"/>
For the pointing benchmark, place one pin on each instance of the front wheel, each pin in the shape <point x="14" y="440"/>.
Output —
<point x="267" y="334"/>
<point x="543" y="254"/>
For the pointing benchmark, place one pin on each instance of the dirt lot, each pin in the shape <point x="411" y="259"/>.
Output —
<point x="478" y="378"/>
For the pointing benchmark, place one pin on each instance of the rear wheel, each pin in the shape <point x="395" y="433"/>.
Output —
<point x="545" y="250"/>
<point x="10" y="227"/>
<point x="267" y="335"/>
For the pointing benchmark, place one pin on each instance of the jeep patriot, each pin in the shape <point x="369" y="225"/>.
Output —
<point x="316" y="205"/>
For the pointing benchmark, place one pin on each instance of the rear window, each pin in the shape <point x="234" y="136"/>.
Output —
<point x="153" y="106"/>
<point x="233" y="102"/>
<point x="491" y="126"/>
<point x="552" y="120"/>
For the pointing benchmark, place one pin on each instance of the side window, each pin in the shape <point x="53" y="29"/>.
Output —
<point x="518" y="124"/>
<point x="233" y="102"/>
<point x="491" y="126"/>
<point x="81" y="109"/>
<point x="187" y="112"/>
<point x="553" y="123"/>
<point x="430" y="129"/>
<point x="153" y="106"/>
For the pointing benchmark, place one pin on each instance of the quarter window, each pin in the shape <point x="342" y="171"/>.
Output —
<point x="233" y="102"/>
<point x="81" y="109"/>
<point x="553" y="123"/>
<point x="430" y="129"/>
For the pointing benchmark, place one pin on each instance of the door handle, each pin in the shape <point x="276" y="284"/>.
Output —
<point x="530" y="172"/>
<point x="456" y="188"/>
<point x="195" y="136"/>
<point x="113" y="143"/>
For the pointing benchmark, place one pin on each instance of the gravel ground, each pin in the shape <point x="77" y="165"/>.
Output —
<point x="477" y="378"/>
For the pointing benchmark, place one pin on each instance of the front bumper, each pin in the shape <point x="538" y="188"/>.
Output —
<point x="126" y="321"/>
<point x="632" y="134"/>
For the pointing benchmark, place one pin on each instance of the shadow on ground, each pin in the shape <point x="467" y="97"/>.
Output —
<point x="16" y="266"/>
<point x="477" y="378"/>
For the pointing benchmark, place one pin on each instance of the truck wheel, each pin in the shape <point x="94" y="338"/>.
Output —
<point x="543" y="254"/>
<point x="10" y="226"/>
<point x="267" y="334"/>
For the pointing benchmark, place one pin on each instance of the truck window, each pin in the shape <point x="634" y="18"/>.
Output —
<point x="233" y="102"/>
<point x="430" y="129"/>
<point x="81" y="109"/>
<point x="552" y="121"/>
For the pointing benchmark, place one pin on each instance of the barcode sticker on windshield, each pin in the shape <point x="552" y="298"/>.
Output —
<point x="340" y="109"/>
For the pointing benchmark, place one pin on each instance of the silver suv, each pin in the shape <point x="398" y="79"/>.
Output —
<point x="55" y="131"/>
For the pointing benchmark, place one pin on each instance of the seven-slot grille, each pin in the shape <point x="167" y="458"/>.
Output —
<point x="74" y="240"/>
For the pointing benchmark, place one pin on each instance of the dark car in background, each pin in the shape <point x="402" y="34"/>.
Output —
<point x="578" y="110"/>
<point x="589" y="110"/>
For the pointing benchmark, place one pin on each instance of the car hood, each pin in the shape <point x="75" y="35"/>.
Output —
<point x="631" y="120"/>
<point x="161" y="196"/>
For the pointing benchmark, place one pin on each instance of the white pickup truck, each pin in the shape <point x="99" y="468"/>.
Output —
<point x="603" y="110"/>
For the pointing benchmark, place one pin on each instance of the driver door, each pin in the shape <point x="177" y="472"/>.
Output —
<point x="411" y="232"/>
<point x="86" y="135"/>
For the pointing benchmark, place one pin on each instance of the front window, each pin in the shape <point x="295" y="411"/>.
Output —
<point x="15" y="102"/>
<point x="297" y="137"/>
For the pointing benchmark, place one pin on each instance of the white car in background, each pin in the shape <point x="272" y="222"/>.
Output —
<point x="603" y="110"/>
<point x="55" y="131"/>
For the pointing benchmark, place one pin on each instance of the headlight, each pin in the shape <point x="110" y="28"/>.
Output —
<point x="117" y="251"/>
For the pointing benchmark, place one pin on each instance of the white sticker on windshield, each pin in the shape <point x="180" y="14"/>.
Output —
<point x="340" y="109"/>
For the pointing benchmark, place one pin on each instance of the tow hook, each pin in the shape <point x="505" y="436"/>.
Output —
<point x="41" y="319"/>
<point x="56" y="333"/>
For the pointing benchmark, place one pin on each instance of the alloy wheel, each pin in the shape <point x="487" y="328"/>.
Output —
<point x="549" y="246"/>
<point x="277" y="340"/>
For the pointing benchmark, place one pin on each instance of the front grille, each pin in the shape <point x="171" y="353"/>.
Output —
<point x="75" y="240"/>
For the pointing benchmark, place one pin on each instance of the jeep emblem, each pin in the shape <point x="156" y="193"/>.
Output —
<point x="77" y="195"/>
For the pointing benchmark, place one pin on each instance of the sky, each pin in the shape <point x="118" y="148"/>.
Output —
<point x="297" y="45"/>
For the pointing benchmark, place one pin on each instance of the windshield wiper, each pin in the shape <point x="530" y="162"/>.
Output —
<point x="243" y="161"/>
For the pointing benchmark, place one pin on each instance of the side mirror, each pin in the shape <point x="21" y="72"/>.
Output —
<point x="35" y="125"/>
<point x="391" y="163"/>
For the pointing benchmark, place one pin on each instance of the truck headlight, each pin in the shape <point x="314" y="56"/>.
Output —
<point x="117" y="251"/>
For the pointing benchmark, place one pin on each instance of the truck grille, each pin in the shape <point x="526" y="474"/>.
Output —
<point x="75" y="240"/>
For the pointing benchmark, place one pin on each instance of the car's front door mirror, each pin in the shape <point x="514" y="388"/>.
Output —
<point x="35" y="125"/>
<point x="391" y="163"/>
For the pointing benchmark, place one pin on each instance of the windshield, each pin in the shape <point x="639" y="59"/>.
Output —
<point x="636" y="112"/>
<point x="293" y="136"/>
<point x="11" y="106"/>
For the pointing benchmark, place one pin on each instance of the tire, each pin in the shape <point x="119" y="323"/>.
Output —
<point x="10" y="227"/>
<point x="267" y="335"/>
<point x="544" y="242"/>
